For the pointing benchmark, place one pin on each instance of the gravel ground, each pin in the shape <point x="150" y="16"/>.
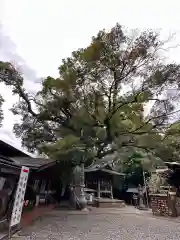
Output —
<point x="97" y="226"/>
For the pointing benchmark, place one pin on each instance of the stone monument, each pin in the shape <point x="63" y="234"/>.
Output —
<point x="78" y="187"/>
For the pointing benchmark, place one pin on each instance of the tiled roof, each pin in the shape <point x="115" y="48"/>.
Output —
<point x="104" y="167"/>
<point x="14" y="156"/>
<point x="8" y="150"/>
<point x="31" y="162"/>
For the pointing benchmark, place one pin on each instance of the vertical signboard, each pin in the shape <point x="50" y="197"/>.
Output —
<point x="19" y="198"/>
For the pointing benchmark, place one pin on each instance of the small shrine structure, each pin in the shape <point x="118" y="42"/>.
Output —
<point x="99" y="180"/>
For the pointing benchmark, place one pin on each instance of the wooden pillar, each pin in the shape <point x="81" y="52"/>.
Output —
<point x="99" y="189"/>
<point x="111" y="190"/>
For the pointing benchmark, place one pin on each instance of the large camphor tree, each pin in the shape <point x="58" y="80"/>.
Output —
<point x="98" y="104"/>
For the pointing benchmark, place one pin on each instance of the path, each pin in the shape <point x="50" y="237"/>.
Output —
<point x="98" y="226"/>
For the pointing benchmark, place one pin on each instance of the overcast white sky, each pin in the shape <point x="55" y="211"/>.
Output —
<point x="42" y="32"/>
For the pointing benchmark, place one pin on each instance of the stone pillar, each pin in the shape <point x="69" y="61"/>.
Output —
<point x="141" y="198"/>
<point x="79" y="186"/>
<point x="37" y="200"/>
<point x="82" y="198"/>
<point x="172" y="204"/>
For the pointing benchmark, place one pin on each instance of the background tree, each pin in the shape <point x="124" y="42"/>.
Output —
<point x="133" y="169"/>
<point x="135" y="164"/>
<point x="1" y="111"/>
<point x="1" y="98"/>
<point x="171" y="140"/>
<point x="97" y="104"/>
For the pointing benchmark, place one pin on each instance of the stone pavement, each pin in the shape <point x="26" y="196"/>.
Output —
<point x="100" y="225"/>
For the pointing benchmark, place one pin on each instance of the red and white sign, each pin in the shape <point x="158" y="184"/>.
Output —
<point x="19" y="198"/>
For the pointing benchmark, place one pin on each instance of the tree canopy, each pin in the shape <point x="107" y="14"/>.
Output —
<point x="1" y="111"/>
<point x="97" y="104"/>
<point x="136" y="163"/>
<point x="1" y="98"/>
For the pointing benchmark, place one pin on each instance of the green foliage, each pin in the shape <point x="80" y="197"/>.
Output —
<point x="171" y="143"/>
<point x="1" y="112"/>
<point x="134" y="165"/>
<point x="2" y="65"/>
<point x="96" y="105"/>
<point x="133" y="169"/>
